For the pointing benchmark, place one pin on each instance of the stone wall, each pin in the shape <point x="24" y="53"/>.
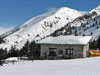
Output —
<point x="79" y="51"/>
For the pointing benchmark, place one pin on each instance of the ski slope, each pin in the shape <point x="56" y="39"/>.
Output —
<point x="84" y="66"/>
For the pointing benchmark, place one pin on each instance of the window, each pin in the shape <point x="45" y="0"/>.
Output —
<point x="60" y="52"/>
<point x="52" y="52"/>
<point x="69" y="51"/>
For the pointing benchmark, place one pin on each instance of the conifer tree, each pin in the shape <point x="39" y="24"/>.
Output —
<point x="34" y="50"/>
<point x="1" y="40"/>
<point x="96" y="22"/>
<point x="98" y="42"/>
<point x="25" y="50"/>
<point x="97" y="26"/>
<point x="91" y="33"/>
<point x="13" y="52"/>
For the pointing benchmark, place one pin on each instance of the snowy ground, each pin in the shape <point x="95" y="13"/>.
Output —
<point x="85" y="66"/>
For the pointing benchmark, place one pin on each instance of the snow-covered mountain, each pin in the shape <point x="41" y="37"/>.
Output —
<point x="39" y="27"/>
<point x="90" y="26"/>
<point x="5" y="29"/>
<point x="97" y="10"/>
<point x="86" y="25"/>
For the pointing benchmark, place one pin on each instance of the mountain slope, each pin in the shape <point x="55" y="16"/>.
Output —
<point x="86" y="25"/>
<point x="5" y="29"/>
<point x="39" y="27"/>
<point x="97" y="10"/>
<point x="91" y="25"/>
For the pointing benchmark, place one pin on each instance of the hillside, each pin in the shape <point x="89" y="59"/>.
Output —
<point x="86" y="25"/>
<point x="84" y="66"/>
<point x="39" y="27"/>
<point x="91" y="25"/>
<point x="5" y="29"/>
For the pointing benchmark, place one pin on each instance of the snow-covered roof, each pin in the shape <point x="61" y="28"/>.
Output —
<point x="70" y="39"/>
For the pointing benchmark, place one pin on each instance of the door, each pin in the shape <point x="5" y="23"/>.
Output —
<point x="52" y="53"/>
